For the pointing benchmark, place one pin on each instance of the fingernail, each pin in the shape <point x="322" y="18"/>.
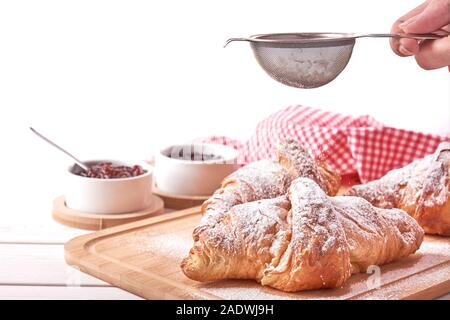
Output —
<point x="404" y="51"/>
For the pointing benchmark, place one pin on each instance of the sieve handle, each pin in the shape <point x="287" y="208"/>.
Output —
<point x="235" y="39"/>
<point x="416" y="36"/>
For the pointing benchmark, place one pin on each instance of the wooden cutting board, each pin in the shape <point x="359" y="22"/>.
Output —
<point x="143" y="257"/>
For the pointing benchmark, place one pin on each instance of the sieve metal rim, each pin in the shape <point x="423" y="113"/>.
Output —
<point x="303" y="40"/>
<point x="301" y="37"/>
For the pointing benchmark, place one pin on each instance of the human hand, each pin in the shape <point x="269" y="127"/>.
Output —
<point x="431" y="16"/>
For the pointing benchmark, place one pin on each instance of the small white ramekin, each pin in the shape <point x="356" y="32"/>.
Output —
<point x="108" y="196"/>
<point x="194" y="178"/>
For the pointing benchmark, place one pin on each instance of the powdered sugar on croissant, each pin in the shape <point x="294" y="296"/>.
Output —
<point x="267" y="179"/>
<point x="304" y="240"/>
<point x="421" y="188"/>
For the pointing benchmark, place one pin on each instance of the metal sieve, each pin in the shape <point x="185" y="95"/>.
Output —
<point x="310" y="60"/>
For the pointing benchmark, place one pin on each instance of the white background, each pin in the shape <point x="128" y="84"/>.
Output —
<point x="118" y="79"/>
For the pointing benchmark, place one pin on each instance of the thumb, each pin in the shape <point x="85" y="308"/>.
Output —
<point x="435" y="16"/>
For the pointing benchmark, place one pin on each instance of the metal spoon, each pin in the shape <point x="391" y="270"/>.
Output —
<point x="78" y="162"/>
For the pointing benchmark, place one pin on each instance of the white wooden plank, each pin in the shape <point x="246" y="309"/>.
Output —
<point x="47" y="231"/>
<point x="33" y="264"/>
<point x="64" y="293"/>
<point x="44" y="231"/>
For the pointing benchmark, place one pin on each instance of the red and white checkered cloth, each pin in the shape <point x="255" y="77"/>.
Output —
<point x="351" y="145"/>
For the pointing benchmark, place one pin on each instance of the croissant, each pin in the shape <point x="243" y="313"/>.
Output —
<point x="300" y="241"/>
<point x="422" y="189"/>
<point x="267" y="179"/>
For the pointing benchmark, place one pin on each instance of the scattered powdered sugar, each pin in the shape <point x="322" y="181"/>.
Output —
<point x="436" y="245"/>
<point x="173" y="245"/>
<point x="243" y="290"/>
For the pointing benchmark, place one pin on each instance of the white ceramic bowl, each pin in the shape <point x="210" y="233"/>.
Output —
<point x="193" y="178"/>
<point x="109" y="196"/>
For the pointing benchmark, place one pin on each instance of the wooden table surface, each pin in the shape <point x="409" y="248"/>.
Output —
<point x="32" y="264"/>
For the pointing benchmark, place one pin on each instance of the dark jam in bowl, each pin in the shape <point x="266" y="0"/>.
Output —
<point x="107" y="170"/>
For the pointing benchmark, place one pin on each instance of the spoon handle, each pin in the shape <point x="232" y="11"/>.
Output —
<point x="78" y="162"/>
